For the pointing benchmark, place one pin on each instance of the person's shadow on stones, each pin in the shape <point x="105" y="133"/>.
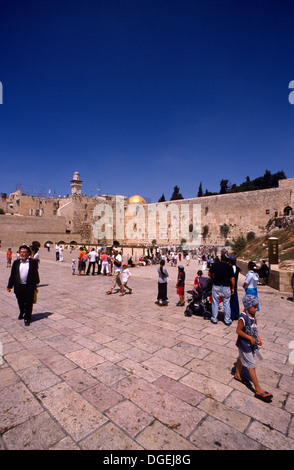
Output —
<point x="245" y="375"/>
<point x="40" y="316"/>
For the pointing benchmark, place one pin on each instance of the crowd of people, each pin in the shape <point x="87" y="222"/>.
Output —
<point x="102" y="263"/>
<point x="223" y="274"/>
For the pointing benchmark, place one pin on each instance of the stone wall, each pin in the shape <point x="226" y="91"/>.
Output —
<point x="15" y="230"/>
<point x="169" y="222"/>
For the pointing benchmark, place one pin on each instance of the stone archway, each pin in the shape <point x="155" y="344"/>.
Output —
<point x="288" y="210"/>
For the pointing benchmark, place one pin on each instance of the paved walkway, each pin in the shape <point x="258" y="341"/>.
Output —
<point x="106" y="372"/>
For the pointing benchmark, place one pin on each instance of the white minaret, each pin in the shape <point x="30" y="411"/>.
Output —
<point x="76" y="184"/>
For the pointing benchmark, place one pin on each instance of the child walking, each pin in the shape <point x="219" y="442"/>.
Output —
<point x="247" y="343"/>
<point x="181" y="285"/>
<point x="73" y="267"/>
<point x="125" y="275"/>
<point x="8" y="258"/>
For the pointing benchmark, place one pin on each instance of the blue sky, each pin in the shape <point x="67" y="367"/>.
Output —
<point x="140" y="96"/>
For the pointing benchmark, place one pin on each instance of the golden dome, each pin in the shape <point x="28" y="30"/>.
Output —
<point x="137" y="200"/>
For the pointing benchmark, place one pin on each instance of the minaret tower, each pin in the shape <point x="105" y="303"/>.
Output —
<point x="76" y="184"/>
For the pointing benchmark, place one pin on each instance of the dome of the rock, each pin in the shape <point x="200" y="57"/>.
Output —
<point x="137" y="200"/>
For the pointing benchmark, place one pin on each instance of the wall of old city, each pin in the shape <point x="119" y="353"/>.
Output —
<point x="170" y="222"/>
<point x="101" y="220"/>
<point x="15" y="230"/>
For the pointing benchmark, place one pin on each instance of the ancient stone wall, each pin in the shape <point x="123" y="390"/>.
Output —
<point x="15" y="230"/>
<point x="219" y="218"/>
<point x="210" y="220"/>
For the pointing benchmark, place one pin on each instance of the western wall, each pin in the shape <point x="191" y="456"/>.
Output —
<point x="202" y="220"/>
<point x="209" y="220"/>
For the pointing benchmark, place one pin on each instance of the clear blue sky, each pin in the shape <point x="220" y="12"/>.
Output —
<point x="143" y="95"/>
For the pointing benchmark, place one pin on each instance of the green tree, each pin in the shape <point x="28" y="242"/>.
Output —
<point x="238" y="244"/>
<point x="176" y="194"/>
<point x="224" y="230"/>
<point x="224" y="186"/>
<point x="205" y="231"/>
<point x="162" y="199"/>
<point x="250" y="236"/>
<point x="266" y="180"/>
<point x="200" y="190"/>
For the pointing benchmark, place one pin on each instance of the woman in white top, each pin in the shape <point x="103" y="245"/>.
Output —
<point x="162" y="284"/>
<point x="251" y="279"/>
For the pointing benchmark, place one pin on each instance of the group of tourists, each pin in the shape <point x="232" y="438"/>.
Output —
<point x="223" y="274"/>
<point x="90" y="260"/>
<point x="107" y="264"/>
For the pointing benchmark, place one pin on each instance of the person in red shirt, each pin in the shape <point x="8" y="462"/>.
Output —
<point x="8" y="258"/>
<point x="196" y="280"/>
<point x="181" y="286"/>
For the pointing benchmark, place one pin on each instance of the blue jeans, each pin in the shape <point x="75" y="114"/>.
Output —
<point x="217" y="293"/>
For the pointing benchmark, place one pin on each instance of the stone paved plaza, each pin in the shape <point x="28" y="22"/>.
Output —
<point x="97" y="371"/>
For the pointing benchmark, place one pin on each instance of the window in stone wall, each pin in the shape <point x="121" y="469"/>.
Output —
<point x="287" y="210"/>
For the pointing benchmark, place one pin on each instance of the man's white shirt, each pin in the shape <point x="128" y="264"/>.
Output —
<point x="23" y="271"/>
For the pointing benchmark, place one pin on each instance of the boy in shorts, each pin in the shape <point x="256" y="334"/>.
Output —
<point x="125" y="275"/>
<point x="247" y="343"/>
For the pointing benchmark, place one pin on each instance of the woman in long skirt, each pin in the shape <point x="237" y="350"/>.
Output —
<point x="162" y="284"/>
<point x="235" y="310"/>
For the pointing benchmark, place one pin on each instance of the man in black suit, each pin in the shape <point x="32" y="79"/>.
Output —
<point x="24" y="278"/>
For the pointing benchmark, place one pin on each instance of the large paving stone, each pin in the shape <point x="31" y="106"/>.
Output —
<point x="94" y="371"/>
